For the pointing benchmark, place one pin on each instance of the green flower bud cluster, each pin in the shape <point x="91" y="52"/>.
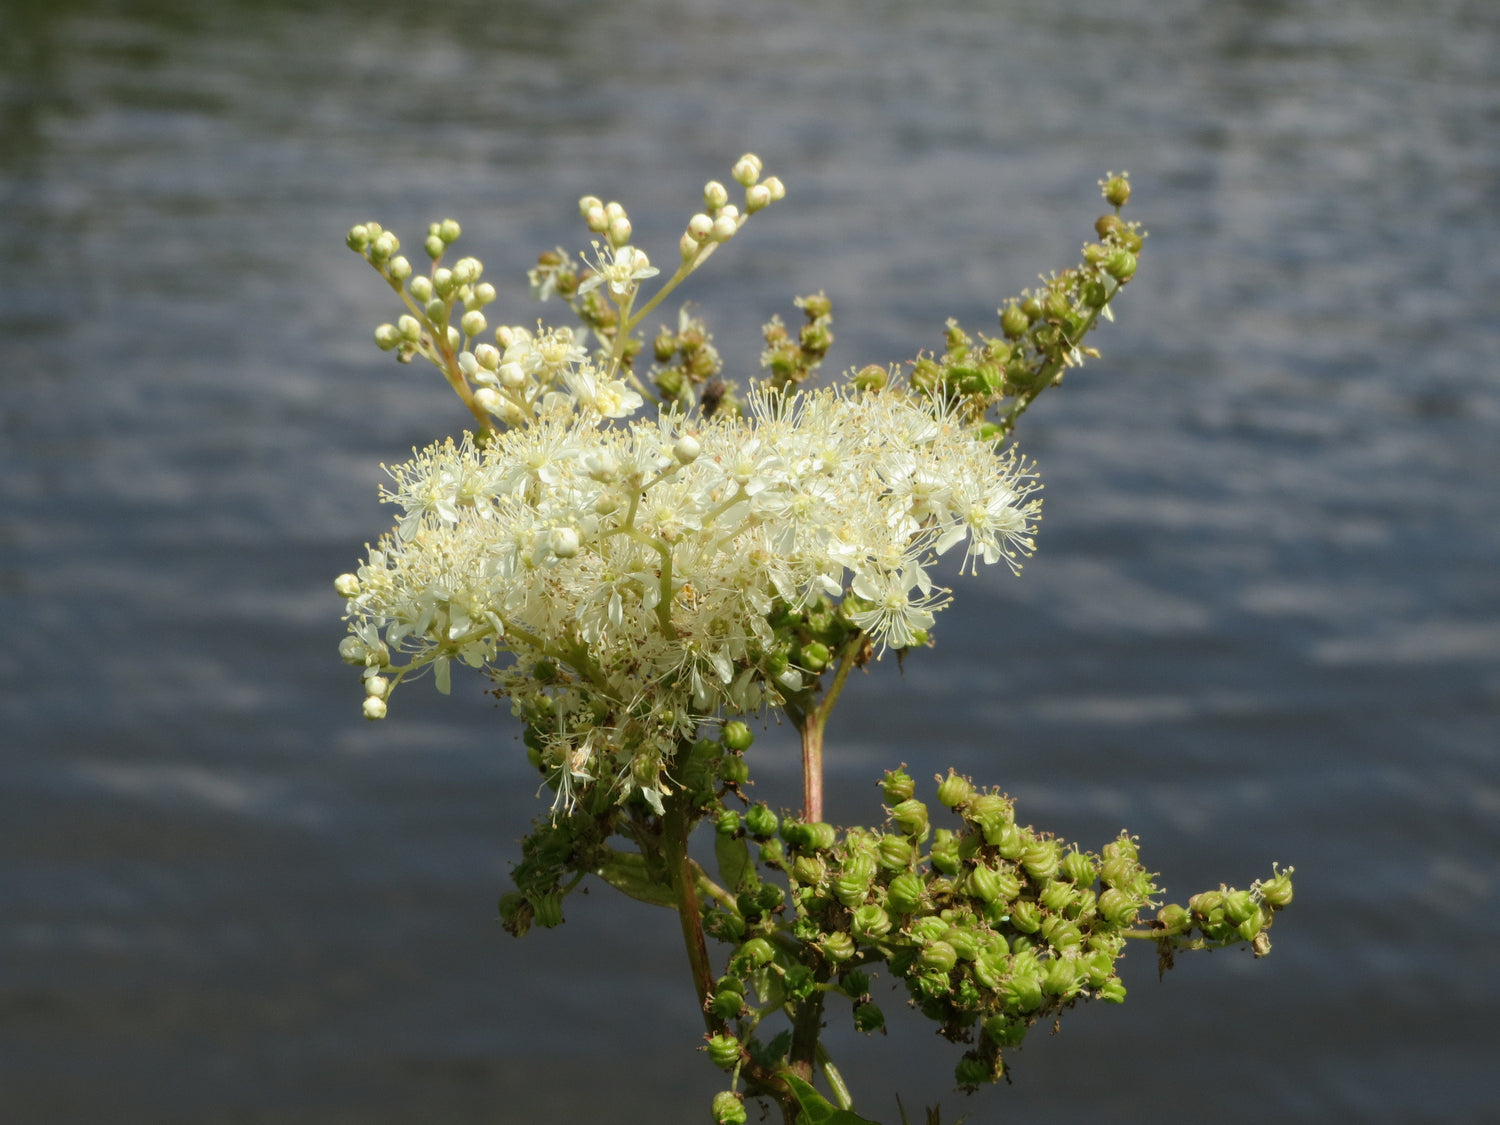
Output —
<point x="686" y="362"/>
<point x="1043" y="329"/>
<point x="1223" y="917"/>
<point x="790" y="360"/>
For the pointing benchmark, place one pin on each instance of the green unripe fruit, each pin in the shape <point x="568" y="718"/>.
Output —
<point x="905" y="893"/>
<point x="1061" y="934"/>
<point x="868" y="1018"/>
<point x="670" y="382"/>
<point x="724" y="1051"/>
<point x="964" y="942"/>
<point x="1174" y="919"/>
<point x="954" y="790"/>
<point x="897" y="785"/>
<point x="820" y="836"/>
<point x="837" y="947"/>
<point x="773" y="852"/>
<point x="1238" y="906"/>
<point x="1117" y="191"/>
<point x="815" y="656"/>
<point x="1057" y="896"/>
<point x="1008" y="840"/>
<point x="945" y="855"/>
<point x="727" y="1004"/>
<point x="894" y="853"/>
<point x="737" y="736"/>
<point x="757" y="951"/>
<point x="871" y="378"/>
<point x="760" y="821"/>
<point x="984" y="883"/>
<point x="1278" y="892"/>
<point x="1099" y="966"/>
<point x="1060" y="976"/>
<point x="971" y="1072"/>
<point x="869" y="922"/>
<point x="548" y="908"/>
<point x="1252" y="925"/>
<point x="1112" y="990"/>
<point x="768" y="896"/>
<point x="728" y="1109"/>
<point x="1004" y="1031"/>
<point x="1204" y="904"/>
<point x="1118" y="908"/>
<point x="809" y="870"/>
<point x="1025" y="916"/>
<point x="1014" y="322"/>
<point x="1023" y="990"/>
<point x="1105" y="225"/>
<point x="728" y="823"/>
<point x="910" y="816"/>
<point x="1119" y="871"/>
<point x="1120" y="265"/>
<point x="664" y="346"/>
<point x="734" y="770"/>
<point x="939" y="957"/>
<point x="1077" y="867"/>
<point x="1040" y="859"/>
<point x="928" y="928"/>
<point x="990" y="969"/>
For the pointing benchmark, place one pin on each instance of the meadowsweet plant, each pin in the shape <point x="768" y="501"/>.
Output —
<point x="644" y="557"/>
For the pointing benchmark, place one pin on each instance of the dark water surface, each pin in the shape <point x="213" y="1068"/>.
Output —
<point x="1263" y="623"/>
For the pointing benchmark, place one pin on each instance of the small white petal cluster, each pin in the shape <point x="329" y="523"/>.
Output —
<point x="630" y="571"/>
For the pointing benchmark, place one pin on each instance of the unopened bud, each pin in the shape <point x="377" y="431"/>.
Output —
<point x="374" y="707"/>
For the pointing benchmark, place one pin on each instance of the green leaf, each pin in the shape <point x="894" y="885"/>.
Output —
<point x="734" y="861"/>
<point x="818" y="1110"/>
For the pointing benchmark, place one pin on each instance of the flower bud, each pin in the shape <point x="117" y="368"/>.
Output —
<point x="378" y="686"/>
<point x="563" y="542"/>
<point x="346" y="585"/>
<point x="512" y="376"/>
<point x="729" y="1109"/>
<point x="897" y="785"/>
<point x="724" y="228"/>
<point x="724" y="1051"/>
<point x="399" y="268"/>
<point x="473" y="323"/>
<point x="715" y="195"/>
<point x="357" y="238"/>
<point x="619" y="232"/>
<point x="757" y="198"/>
<point x="737" y="736"/>
<point x="746" y="169"/>
<point x="775" y="187"/>
<point x="434" y="246"/>
<point x="383" y="247"/>
<point x="596" y="218"/>
<point x="374" y="707"/>
<point x="687" y="449"/>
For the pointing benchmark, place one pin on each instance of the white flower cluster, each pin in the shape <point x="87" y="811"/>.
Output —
<point x="630" y="570"/>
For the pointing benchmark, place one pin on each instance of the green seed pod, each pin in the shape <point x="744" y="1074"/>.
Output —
<point x="1252" y="925"/>
<point x="1105" y="225"/>
<point x="820" y="836"/>
<point x="1023" y="991"/>
<point x="728" y="1109"/>
<point x="1238" y="906"/>
<point x="939" y="957"/>
<point x="728" y="823"/>
<point x="964" y="942"/>
<point x="757" y="952"/>
<point x="1118" y="908"/>
<point x="1083" y="907"/>
<point x="1057" y="896"/>
<point x="990" y="969"/>
<point x="760" y="821"/>
<point x="954" y="790"/>
<point x="1025" y="916"/>
<point x="724" y="1051"/>
<point x="894" y="853"/>
<point x="871" y="378"/>
<point x="1060" y="976"/>
<point x="548" y="908"/>
<point x="1120" y="265"/>
<point x="868" y="1018"/>
<point x="1014" y="322"/>
<point x="1205" y="903"/>
<point x="972" y="1072"/>
<point x="910" y="816"/>
<point x="1009" y="840"/>
<point x="1278" y="892"/>
<point x="809" y="870"/>
<point x="984" y="883"/>
<point x="945" y="854"/>
<point x="737" y="736"/>
<point x="734" y="770"/>
<point x="870" y="922"/>
<point x="928" y="928"/>
<point x="815" y="656"/>
<point x="1117" y="189"/>
<point x="1078" y="867"/>
<point x="905" y="893"/>
<point x="1003" y="1031"/>
<point x="897" y="786"/>
<point x="1112" y="990"/>
<point x="773" y="852"/>
<point x="769" y="896"/>
<point x="1174" y="919"/>
<point x="1040" y="859"/>
<point x="837" y="947"/>
<point x="1061" y="934"/>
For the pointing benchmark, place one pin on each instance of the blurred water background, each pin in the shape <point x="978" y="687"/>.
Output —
<point x="1263" y="622"/>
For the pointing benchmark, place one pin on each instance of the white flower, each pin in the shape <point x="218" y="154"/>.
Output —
<point x="621" y="269"/>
